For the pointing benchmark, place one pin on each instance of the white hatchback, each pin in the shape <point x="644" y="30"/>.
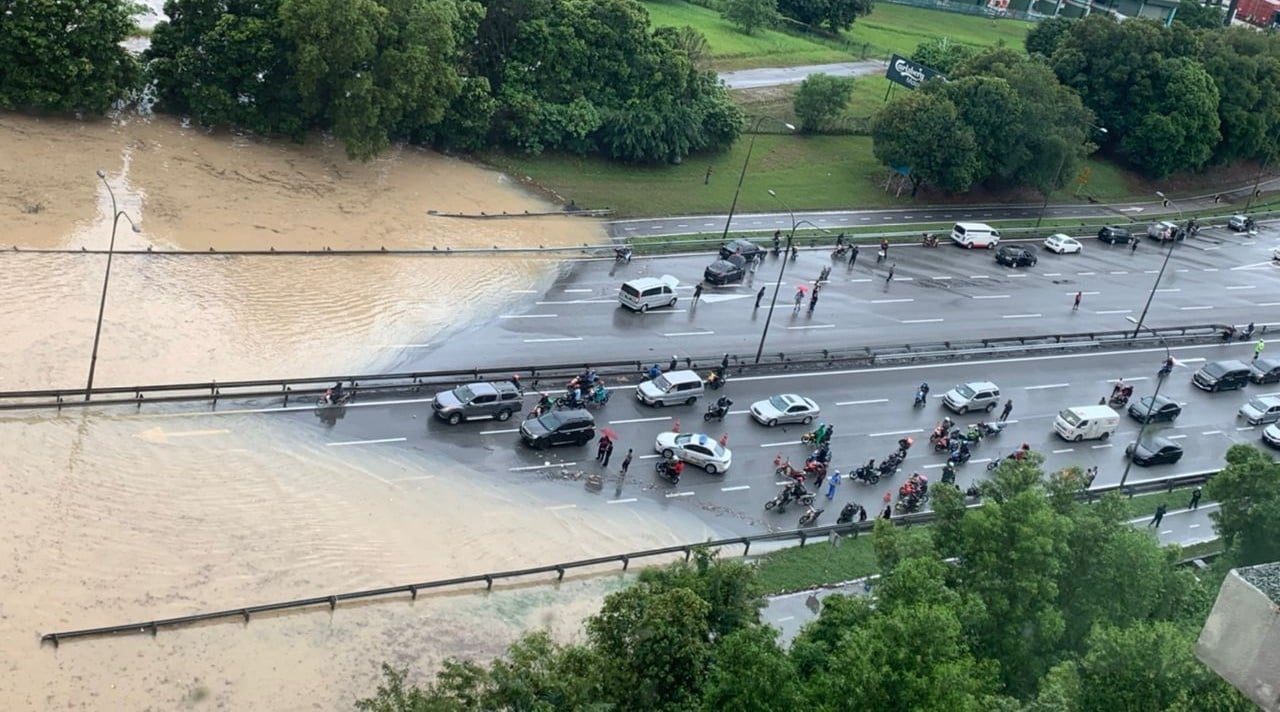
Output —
<point x="1062" y="244"/>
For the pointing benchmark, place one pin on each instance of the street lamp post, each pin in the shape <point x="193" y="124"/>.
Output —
<point x="1257" y="182"/>
<point x="743" y="173"/>
<point x="786" y="257"/>
<point x="116" y="214"/>
<point x="1160" y="378"/>
<point x="1159" y="275"/>
<point x="1061" y="165"/>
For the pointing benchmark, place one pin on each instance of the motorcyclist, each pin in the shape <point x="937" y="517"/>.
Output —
<point x="1167" y="368"/>
<point x="904" y="444"/>
<point x="335" y="394"/>
<point x="822" y="454"/>
<point x="1247" y="333"/>
<point x="722" y="406"/>
<point x="544" y="404"/>
<point x="862" y="472"/>
<point x="824" y="437"/>
<point x="654" y="371"/>
<point x="949" y="473"/>
<point x="959" y="453"/>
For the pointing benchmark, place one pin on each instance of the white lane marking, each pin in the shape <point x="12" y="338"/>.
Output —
<point x="941" y="279"/>
<point x="639" y="420"/>
<point x="1211" y="269"/>
<point x="1047" y="385"/>
<point x="1193" y="526"/>
<point x="1246" y="427"/>
<point x="578" y="301"/>
<point x="891" y="301"/>
<point x="524" y="291"/>
<point x="1191" y="360"/>
<point x="577" y="291"/>
<point x="1085" y="274"/>
<point x="992" y="296"/>
<point x="979" y="276"/>
<point x="528" y="316"/>
<point x="1177" y="437"/>
<point x="499" y="432"/>
<point x="1114" y="311"/>
<point x="689" y="333"/>
<point x="411" y="346"/>
<point x="930" y="467"/>
<point x="621" y="501"/>
<point x="860" y="280"/>
<point x="1065" y="449"/>
<point x="1015" y="276"/>
<point x="1101" y="447"/>
<point x="1020" y="316"/>
<point x="1118" y="272"/>
<point x="906" y="279"/>
<point x="547" y="341"/>
<point x="366" y="442"/>
<point x="1053" y="274"/>
<point x="896" y="432"/>
<point x="558" y="507"/>
<point x="1212" y="432"/>
<point x="864" y="402"/>
<point x="739" y="412"/>
<point x="679" y="494"/>
<point x="543" y="466"/>
<point x="921" y="321"/>
<point x="1150" y="271"/>
<point x="812" y="326"/>
<point x="1199" y="308"/>
<point x="1270" y="304"/>
<point x="979" y="462"/>
<point x="1169" y="289"/>
<point x="785" y="442"/>
<point x="1083" y="293"/>
<point x="1244" y="286"/>
<point x="735" y="489"/>
<point x="791" y="618"/>
<point x="652" y="456"/>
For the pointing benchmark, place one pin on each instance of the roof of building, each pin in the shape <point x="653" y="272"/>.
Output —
<point x="1266" y="577"/>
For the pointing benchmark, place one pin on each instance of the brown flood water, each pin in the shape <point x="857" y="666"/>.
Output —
<point x="115" y="516"/>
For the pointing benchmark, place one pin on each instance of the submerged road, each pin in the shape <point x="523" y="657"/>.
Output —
<point x="938" y="294"/>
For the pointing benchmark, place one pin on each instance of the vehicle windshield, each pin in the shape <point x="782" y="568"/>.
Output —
<point x="551" y="420"/>
<point x="1214" y="369"/>
<point x="661" y="383"/>
<point x="464" y="394"/>
<point x="1259" y="405"/>
<point x="964" y="391"/>
<point x="1070" y="417"/>
<point x="779" y="404"/>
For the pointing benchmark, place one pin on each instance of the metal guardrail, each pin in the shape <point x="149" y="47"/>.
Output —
<point x="804" y="535"/>
<point x="415" y="381"/>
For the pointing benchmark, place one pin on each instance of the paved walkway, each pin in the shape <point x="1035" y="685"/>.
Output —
<point x="775" y="76"/>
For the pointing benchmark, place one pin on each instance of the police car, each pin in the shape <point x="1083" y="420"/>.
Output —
<point x="696" y="449"/>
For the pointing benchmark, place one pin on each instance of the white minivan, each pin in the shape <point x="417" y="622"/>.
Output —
<point x="973" y="234"/>
<point x="647" y="293"/>
<point x="671" y="388"/>
<point x="1086" y="422"/>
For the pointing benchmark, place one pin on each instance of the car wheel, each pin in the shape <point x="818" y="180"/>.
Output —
<point x="672" y="303"/>
<point x="583" y="441"/>
<point x="692" y="400"/>
<point x="1077" y="438"/>
<point x="1105" y="436"/>
<point x="667" y="453"/>
<point x="711" y="469"/>
<point x="455" y="418"/>
<point x="964" y="409"/>
<point x="807" y="419"/>
<point x="990" y="407"/>
<point x="644" y="308"/>
<point x="659" y="404"/>
<point x="772" y="422"/>
<point x="504" y="415"/>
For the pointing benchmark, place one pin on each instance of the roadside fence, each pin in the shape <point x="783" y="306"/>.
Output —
<point x="820" y="533"/>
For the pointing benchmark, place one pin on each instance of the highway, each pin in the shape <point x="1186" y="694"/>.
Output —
<point x="774" y="76"/>
<point x="936" y="294"/>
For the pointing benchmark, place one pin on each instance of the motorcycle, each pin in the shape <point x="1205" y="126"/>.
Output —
<point x="717" y="411"/>
<point x="889" y="466"/>
<point x="839" y="252"/>
<point x="959" y="456"/>
<point x="545" y="404"/>
<point x="972" y="436"/>
<point x="810" y="516"/>
<point x="599" y="396"/>
<point x="822" y="456"/>
<point x="942" y="444"/>
<point x="327" y="400"/>
<point x="921" y="399"/>
<point x="986" y="430"/>
<point x="716" y="379"/>
<point x="847" y="514"/>
<point x="949" y="474"/>
<point x="909" y="504"/>
<point x="866" y="473"/>
<point x="622" y="254"/>
<point x="669" y="471"/>
<point x="929" y="241"/>
<point x="786" y="469"/>
<point x="816" y="470"/>
<point x="1120" y="397"/>
<point x="787" y="496"/>
<point x="903" y="446"/>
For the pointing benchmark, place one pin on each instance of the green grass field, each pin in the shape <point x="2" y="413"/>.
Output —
<point x="731" y="49"/>
<point x="897" y="28"/>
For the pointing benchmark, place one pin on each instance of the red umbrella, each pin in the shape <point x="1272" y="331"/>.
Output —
<point x="609" y="433"/>
<point x="802" y="287"/>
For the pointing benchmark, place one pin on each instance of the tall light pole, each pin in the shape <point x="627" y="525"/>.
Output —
<point x="786" y="257"/>
<point x="1160" y="376"/>
<point x="1061" y="165"/>
<point x="116" y="214"/>
<point x="1173" y="240"/>
<point x="743" y="174"/>
<point x="1257" y="182"/>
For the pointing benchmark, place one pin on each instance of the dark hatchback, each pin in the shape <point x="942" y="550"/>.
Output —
<point x="1155" y="451"/>
<point x="1114" y="235"/>
<point x="1265" y="370"/>
<point x="730" y="269"/>
<point x="559" y="427"/>
<point x="1015" y="256"/>
<point x="746" y="248"/>
<point x="1162" y="408"/>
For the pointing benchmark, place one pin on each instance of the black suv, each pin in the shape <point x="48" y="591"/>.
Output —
<point x="746" y="248"/>
<point x="1015" y="256"/>
<point x="573" y="426"/>
<point x="730" y="269"/>
<point x="1113" y="234"/>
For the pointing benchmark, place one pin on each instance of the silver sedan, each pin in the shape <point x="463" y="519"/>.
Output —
<point x="786" y="408"/>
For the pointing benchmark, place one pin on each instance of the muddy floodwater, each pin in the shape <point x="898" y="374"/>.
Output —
<point x="115" y="516"/>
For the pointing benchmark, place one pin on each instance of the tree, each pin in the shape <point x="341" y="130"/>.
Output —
<point x="1245" y="66"/>
<point x="67" y="56"/>
<point x="750" y="673"/>
<point x="1248" y="516"/>
<point x="820" y="100"/>
<point x="1199" y="16"/>
<point x="729" y="589"/>
<point x="687" y="40"/>
<point x="1179" y="131"/>
<point x="1043" y="39"/>
<point x="750" y="15"/>
<point x="922" y="134"/>
<point x="836" y="15"/>
<point x="941" y="54"/>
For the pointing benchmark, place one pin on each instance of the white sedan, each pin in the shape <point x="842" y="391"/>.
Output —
<point x="696" y="449"/>
<point x="786" y="408"/>
<point x="1062" y="244"/>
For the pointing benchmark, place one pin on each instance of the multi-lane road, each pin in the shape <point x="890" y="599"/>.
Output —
<point x="936" y="294"/>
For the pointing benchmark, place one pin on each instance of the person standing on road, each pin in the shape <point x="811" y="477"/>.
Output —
<point x="889" y="278"/>
<point x="1008" y="408"/>
<point x="608" y="453"/>
<point x="601" y="447"/>
<point x="884" y="245"/>
<point x="1133" y="246"/>
<point x="1155" y="521"/>
<point x="1195" y="499"/>
<point x="799" y="299"/>
<point x="1089" y="476"/>
<point x="626" y="462"/>
<point x="853" y="255"/>
<point x="697" y="292"/>
<point x="759" y="296"/>
<point x="862" y="514"/>
<point x="832" y="483"/>
<point x="819" y="476"/>
<point x="887" y="513"/>
<point x="1075" y="306"/>
<point x="1257" y="348"/>
<point x="813" y="301"/>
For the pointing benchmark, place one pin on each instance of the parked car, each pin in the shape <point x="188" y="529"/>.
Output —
<point x="1261" y="409"/>
<point x="645" y="293"/>
<point x="1264" y="370"/>
<point x="696" y="449"/>
<point x="787" y="408"/>
<point x="1241" y="223"/>
<point x="671" y="388"/>
<point x="1113" y="235"/>
<point x="1155" y="451"/>
<point x="1271" y="435"/>
<point x="746" y="248"/>
<point x="1015" y="256"/>
<point x="979" y="395"/>
<point x="573" y="426"/>
<point x="1062" y="244"/>
<point x="971" y="234"/>
<point x="1166" y="230"/>
<point x="1161" y="408"/>
<point x="726" y="271"/>
<point x="1221" y="376"/>
<point x="478" y="400"/>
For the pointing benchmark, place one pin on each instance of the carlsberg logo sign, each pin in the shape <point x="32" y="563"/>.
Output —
<point x="907" y="73"/>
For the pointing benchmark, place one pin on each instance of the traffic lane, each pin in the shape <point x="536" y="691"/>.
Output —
<point x="1181" y="525"/>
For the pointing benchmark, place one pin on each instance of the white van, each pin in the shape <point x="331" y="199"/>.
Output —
<point x="671" y="388"/>
<point x="647" y="293"/>
<point x="970" y="235"/>
<point x="1086" y="422"/>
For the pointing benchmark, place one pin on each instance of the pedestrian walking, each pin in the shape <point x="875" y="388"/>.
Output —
<point x="724" y="363"/>
<point x="862" y="514"/>
<point x="881" y="255"/>
<point x="1195" y="499"/>
<point x="887" y="513"/>
<point x="1075" y="306"/>
<point x="826" y="272"/>
<point x="832" y="483"/>
<point x="601" y="447"/>
<point x="672" y="367"/>
<point x="697" y="292"/>
<point x="1155" y="521"/>
<point x="1008" y="408"/>
<point x="1257" y="349"/>
<point x="795" y="252"/>
<point x="1133" y="246"/>
<point x="799" y="299"/>
<point x="759" y="296"/>
<point x="818" y="478"/>
<point x="884" y="245"/>
<point x="626" y="462"/>
<point x="889" y="278"/>
<point x="608" y="452"/>
<point x="853" y="255"/>
<point x="813" y="301"/>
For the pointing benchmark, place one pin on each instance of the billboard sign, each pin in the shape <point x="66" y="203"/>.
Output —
<point x="907" y="73"/>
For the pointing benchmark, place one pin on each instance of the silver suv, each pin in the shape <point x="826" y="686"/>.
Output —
<point x="478" y="400"/>
<point x="978" y="395"/>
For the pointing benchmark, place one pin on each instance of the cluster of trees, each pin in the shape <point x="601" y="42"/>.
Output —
<point x="1002" y="119"/>
<point x="834" y="15"/>
<point x="586" y="76"/>
<point x="1047" y="605"/>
